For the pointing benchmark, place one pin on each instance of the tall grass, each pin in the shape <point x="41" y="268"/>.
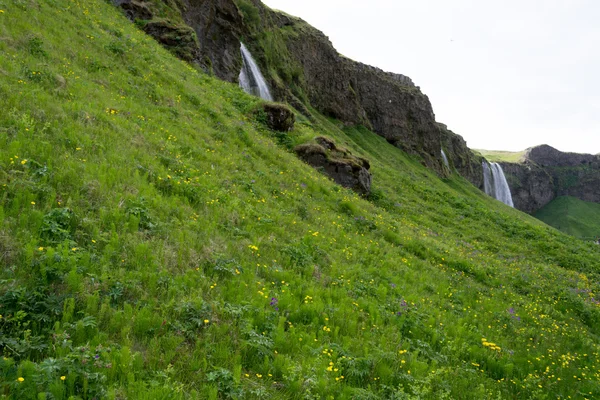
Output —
<point x="158" y="242"/>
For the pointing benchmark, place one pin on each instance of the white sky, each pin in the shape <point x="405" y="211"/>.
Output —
<point x="504" y="74"/>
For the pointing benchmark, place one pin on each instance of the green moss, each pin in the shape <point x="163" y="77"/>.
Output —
<point x="250" y="13"/>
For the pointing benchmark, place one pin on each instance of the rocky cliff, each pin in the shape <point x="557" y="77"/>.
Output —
<point x="546" y="173"/>
<point x="304" y="69"/>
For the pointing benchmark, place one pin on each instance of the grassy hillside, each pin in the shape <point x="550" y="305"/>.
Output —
<point x="499" y="155"/>
<point x="156" y="241"/>
<point x="572" y="216"/>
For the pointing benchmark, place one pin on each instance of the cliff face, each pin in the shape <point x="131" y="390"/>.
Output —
<point x="547" y="156"/>
<point x="467" y="163"/>
<point x="531" y="186"/>
<point x="304" y="69"/>
<point x="547" y="173"/>
<point x="390" y="104"/>
<point x="218" y="25"/>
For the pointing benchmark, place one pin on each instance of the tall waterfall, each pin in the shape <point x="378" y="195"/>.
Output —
<point x="251" y="80"/>
<point x="445" y="159"/>
<point x="494" y="183"/>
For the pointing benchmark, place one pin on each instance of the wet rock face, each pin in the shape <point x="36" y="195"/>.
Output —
<point x="210" y="39"/>
<point x="339" y="164"/>
<point x="279" y="117"/>
<point x="219" y="27"/>
<point x="531" y="186"/>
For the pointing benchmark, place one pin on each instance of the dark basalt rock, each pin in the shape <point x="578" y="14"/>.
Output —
<point x="547" y="156"/>
<point x="279" y="117"/>
<point x="135" y="9"/>
<point x="531" y="186"/>
<point x="460" y="157"/>
<point x="179" y="39"/>
<point x="339" y="164"/>
<point x="219" y="27"/>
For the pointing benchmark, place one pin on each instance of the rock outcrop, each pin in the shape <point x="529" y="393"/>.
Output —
<point x="339" y="164"/>
<point x="219" y="26"/>
<point x="547" y="173"/>
<point x="179" y="39"/>
<point x="467" y="163"/>
<point x="355" y="93"/>
<point x="135" y="9"/>
<point x="204" y="32"/>
<point x="278" y="117"/>
<point x="547" y="156"/>
<point x="531" y="186"/>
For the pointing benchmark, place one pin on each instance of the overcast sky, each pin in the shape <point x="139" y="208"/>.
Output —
<point x="506" y="75"/>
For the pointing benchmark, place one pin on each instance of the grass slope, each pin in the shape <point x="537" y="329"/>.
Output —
<point x="158" y="242"/>
<point x="499" y="155"/>
<point x="572" y="216"/>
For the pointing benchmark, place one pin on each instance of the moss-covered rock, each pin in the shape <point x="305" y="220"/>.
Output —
<point x="279" y="117"/>
<point x="339" y="164"/>
<point x="179" y="39"/>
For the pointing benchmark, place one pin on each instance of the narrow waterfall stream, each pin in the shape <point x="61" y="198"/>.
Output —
<point x="494" y="183"/>
<point x="251" y="79"/>
<point x="445" y="159"/>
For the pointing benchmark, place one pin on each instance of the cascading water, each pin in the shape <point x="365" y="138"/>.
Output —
<point x="494" y="183"/>
<point x="251" y="80"/>
<point x="445" y="159"/>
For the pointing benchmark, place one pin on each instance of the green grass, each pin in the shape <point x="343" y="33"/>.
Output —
<point x="502" y="156"/>
<point x="572" y="216"/>
<point x="159" y="242"/>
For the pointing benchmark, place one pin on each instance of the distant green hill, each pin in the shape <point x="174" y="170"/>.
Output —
<point x="157" y="241"/>
<point x="572" y="216"/>
<point x="499" y="156"/>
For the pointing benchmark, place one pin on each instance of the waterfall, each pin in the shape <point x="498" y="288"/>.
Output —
<point x="251" y="80"/>
<point x="445" y="159"/>
<point x="494" y="183"/>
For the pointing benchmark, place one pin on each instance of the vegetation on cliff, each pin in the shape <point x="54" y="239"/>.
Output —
<point x="158" y="241"/>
